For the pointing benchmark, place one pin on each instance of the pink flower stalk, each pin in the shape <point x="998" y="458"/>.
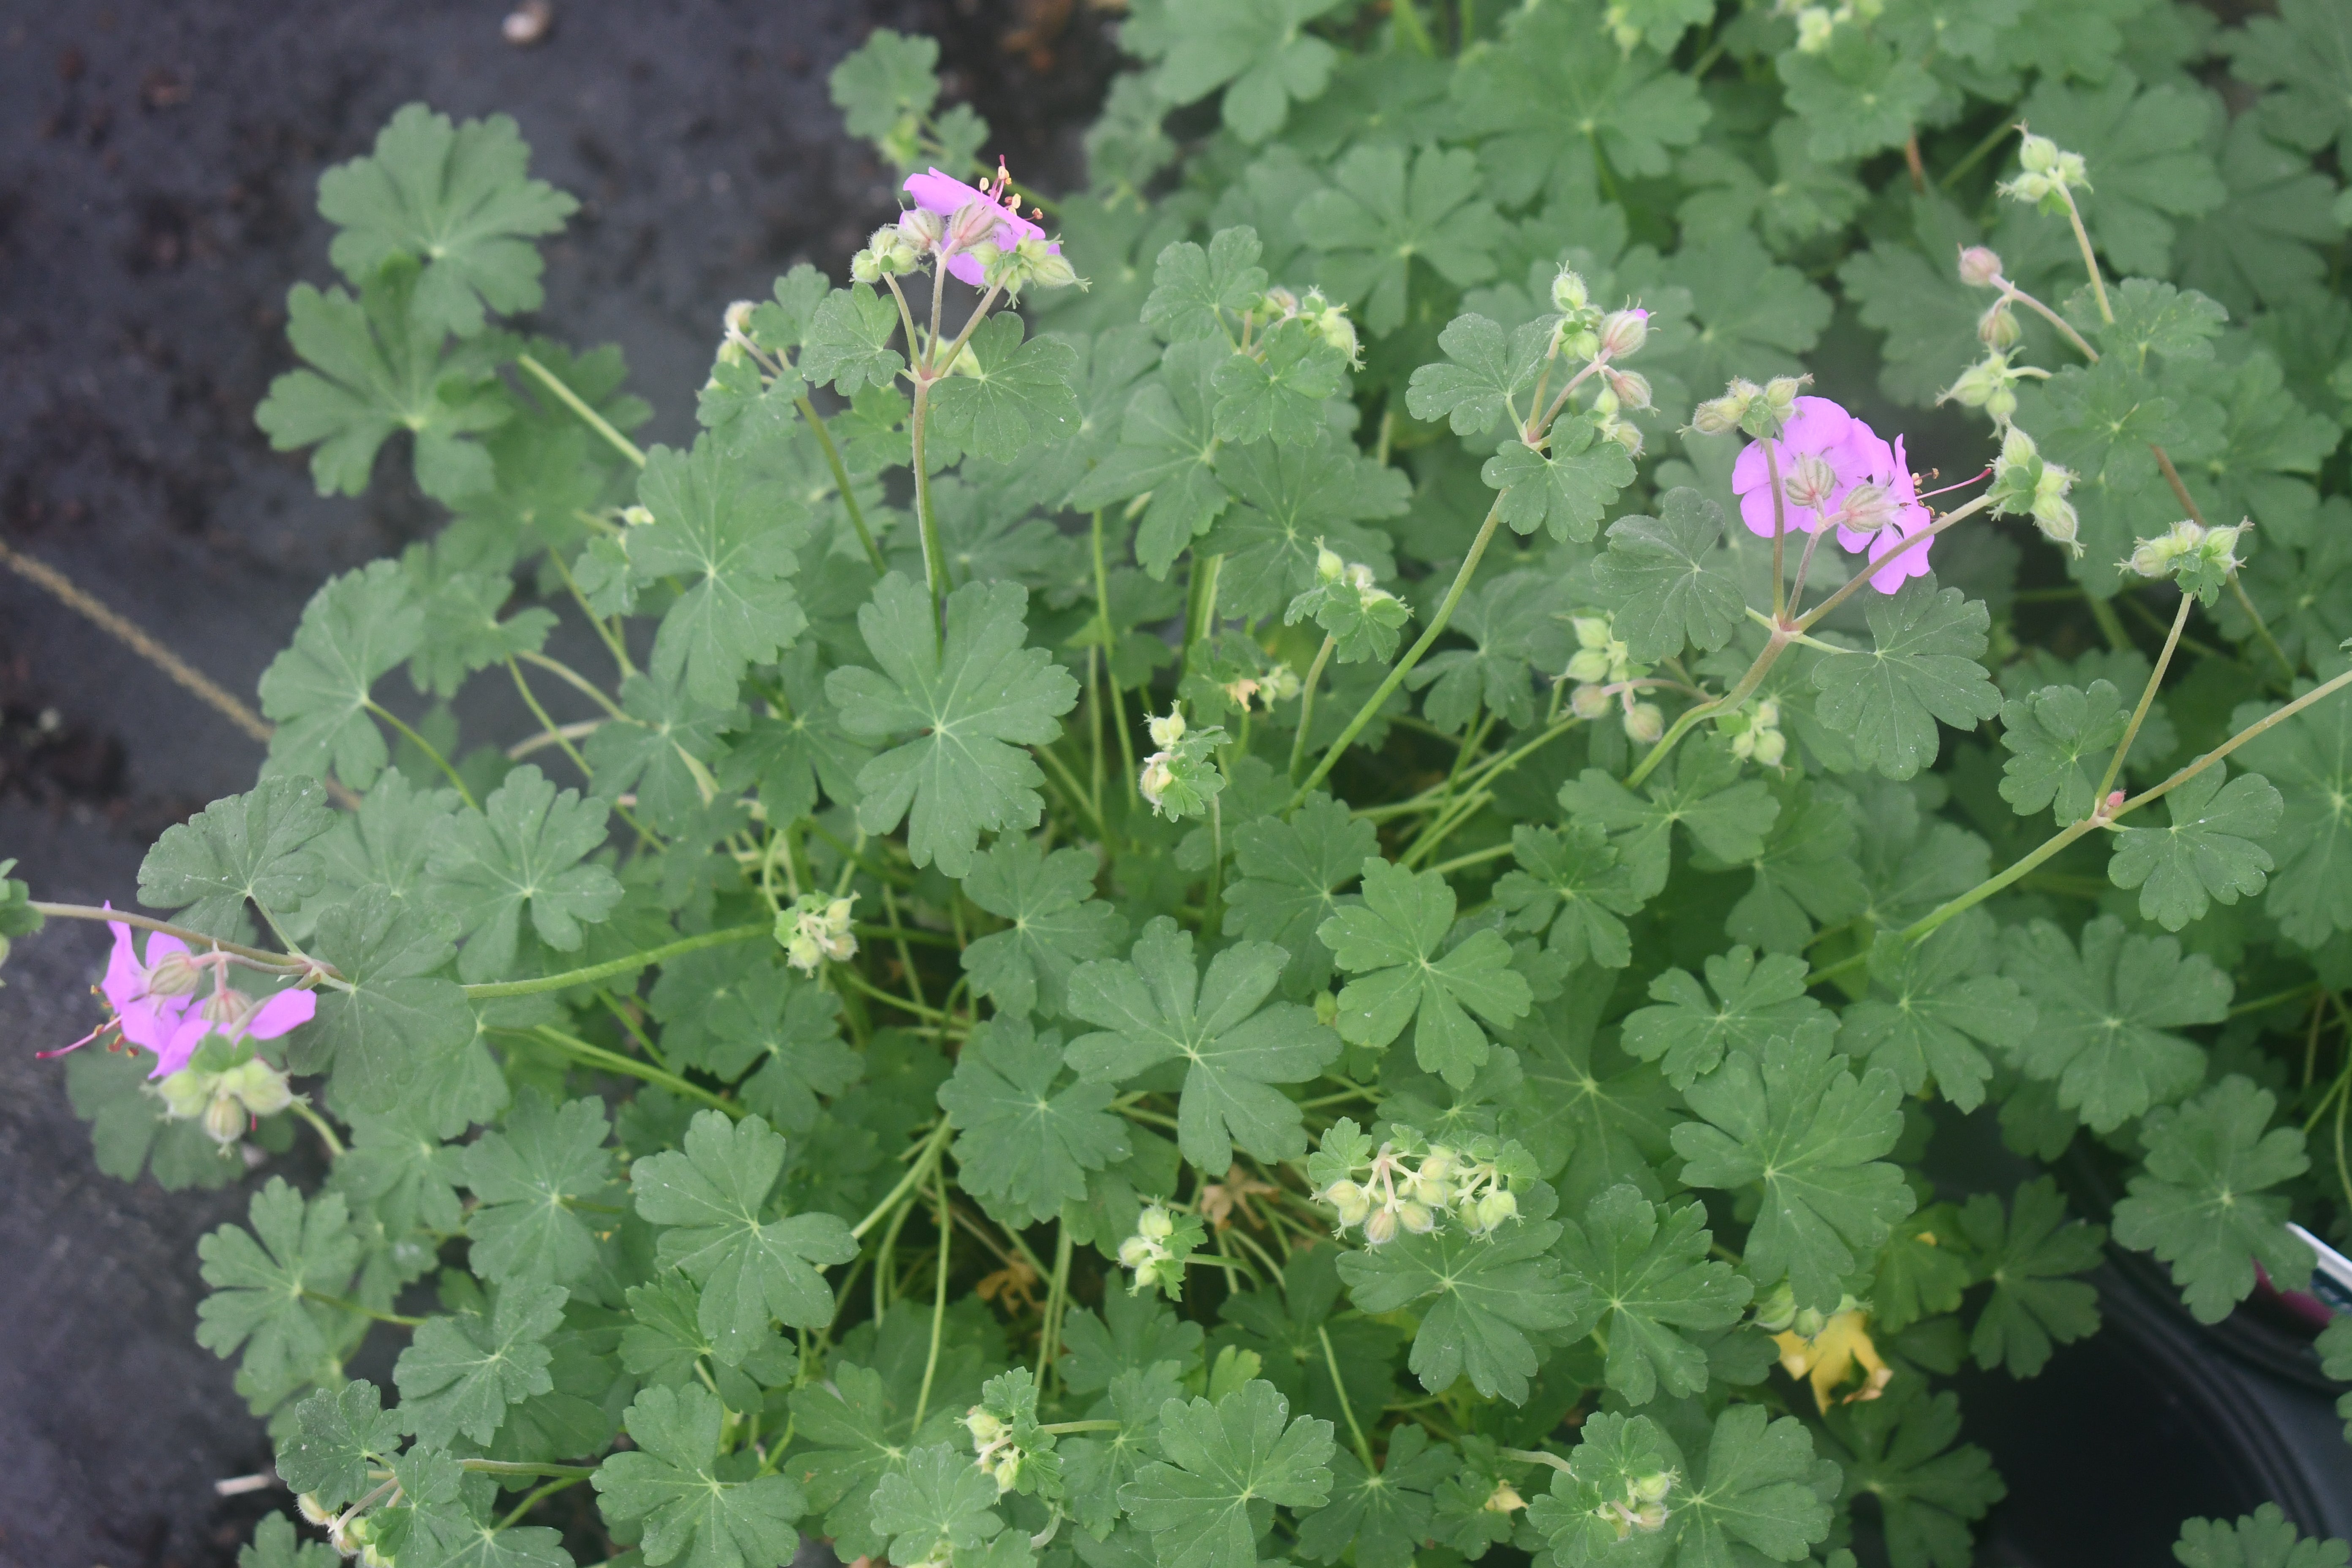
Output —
<point x="1855" y="456"/>
<point x="947" y="195"/>
<point x="234" y="1017"/>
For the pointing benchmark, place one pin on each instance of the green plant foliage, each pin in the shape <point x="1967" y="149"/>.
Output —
<point x="979" y="961"/>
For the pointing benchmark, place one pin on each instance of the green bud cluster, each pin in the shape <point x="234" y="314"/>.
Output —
<point x="1760" y="411"/>
<point x="2024" y="484"/>
<point x="2199" y="559"/>
<point x="1411" y="1186"/>
<point x="1155" y="1253"/>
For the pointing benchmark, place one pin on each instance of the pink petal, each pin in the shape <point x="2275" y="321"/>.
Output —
<point x="965" y="266"/>
<point x="943" y="193"/>
<point x="172" y="1056"/>
<point x="286" y="1011"/>
<point x="1814" y="425"/>
<point x="1748" y="472"/>
<point x="1912" y="562"/>
<point x="125" y="979"/>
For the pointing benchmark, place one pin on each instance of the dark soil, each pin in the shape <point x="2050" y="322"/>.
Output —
<point x="158" y="165"/>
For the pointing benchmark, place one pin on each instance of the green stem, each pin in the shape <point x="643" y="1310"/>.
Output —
<point x="319" y="1124"/>
<point x="547" y="724"/>
<point x="1536" y="1457"/>
<point x="1307" y="704"/>
<point x="1071" y="1428"/>
<point x="344" y="1303"/>
<point x="1386" y="687"/>
<point x="616" y="966"/>
<point x="521" y="1470"/>
<point x="1978" y="154"/>
<point x="2090" y="261"/>
<point x="1057" y="1297"/>
<point x="1994" y="884"/>
<point x="927" y="1154"/>
<point x="578" y="682"/>
<point x="1779" y="527"/>
<point x="432" y="753"/>
<point x="1346" y="1407"/>
<point x="2188" y="504"/>
<point x="840" y="482"/>
<point x="939" y="1307"/>
<point x="935" y="557"/>
<point x="1200" y="604"/>
<point x="538" y="1495"/>
<point x="613" y="1061"/>
<point x="1476" y="858"/>
<point x="1110" y="639"/>
<point x="865" y="987"/>
<point x="589" y="416"/>
<point x="2147" y="698"/>
<point x="146" y="922"/>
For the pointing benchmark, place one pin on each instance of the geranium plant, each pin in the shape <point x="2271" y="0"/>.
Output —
<point x="1318" y="854"/>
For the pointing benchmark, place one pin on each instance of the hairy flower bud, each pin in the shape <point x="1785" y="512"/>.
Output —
<point x="1645" y="723"/>
<point x="175" y="974"/>
<point x="1868" y="507"/>
<point x="922" y="227"/>
<point x="1495" y="1208"/>
<point x="1815" y="25"/>
<point x="1718" y="416"/>
<point x="1588" y="703"/>
<point x="1134" y="1253"/>
<point x="865" y="268"/>
<point x="1350" y="1200"/>
<point x="1381" y="1227"/>
<point x="1415" y="1217"/>
<point x="1154" y="1224"/>
<point x="225" y="1118"/>
<point x="738" y="318"/>
<point x="1997" y="329"/>
<point x="1622" y="333"/>
<point x="1567" y="292"/>
<point x="1630" y="386"/>
<point x="973" y="224"/>
<point x="1166" y="729"/>
<point x="1772" y="747"/>
<point x="1979" y="267"/>
<point x="1810" y="482"/>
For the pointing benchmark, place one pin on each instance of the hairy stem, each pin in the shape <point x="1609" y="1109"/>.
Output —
<point x="432" y="753"/>
<point x="587" y="1055"/>
<point x="1386" y="687"/>
<point x="2147" y="696"/>
<point x="840" y="482"/>
<point x="618" y="966"/>
<point x="1307" y="704"/>
<point x="588" y="416"/>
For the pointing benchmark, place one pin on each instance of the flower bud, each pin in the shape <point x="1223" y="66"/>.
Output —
<point x="1567" y="292"/>
<point x="1780" y="393"/>
<point x="1416" y="1217"/>
<point x="737" y="321"/>
<point x="1134" y="1253"/>
<point x="1651" y="1488"/>
<point x="1632" y="387"/>
<point x="2154" y="557"/>
<point x="865" y="268"/>
<point x="227" y="1008"/>
<point x="1718" y="415"/>
<point x="1504" y="1499"/>
<point x="1338" y="331"/>
<point x="1810" y="482"/>
<point x="1154" y="1224"/>
<point x="1625" y="436"/>
<point x="1868" y="507"/>
<point x="1645" y="723"/>
<point x="1280" y="301"/>
<point x="1588" y="703"/>
<point x="1359" y="578"/>
<point x="186" y="1093"/>
<point x="1588" y="664"/>
<point x="1979" y="267"/>
<point x="973" y="224"/>
<point x="260" y="1087"/>
<point x="1497" y="1207"/>
<point x="225" y="1118"/>
<point x="637" y="517"/>
<point x="1772" y="747"/>
<point x="1353" y="1202"/>
<point x="1997" y="328"/>
<point x="1649" y="1518"/>
<point x="307" y="1504"/>
<point x="1329" y="565"/>
<point x="2037" y="154"/>
<point x="1167" y="729"/>
<point x="1622" y="333"/>
<point x="922" y="227"/>
<point x="984" y="1426"/>
<point x="175" y="974"/>
<point x="1281" y="685"/>
<point x="1815" y="25"/>
<point x="1156" y="777"/>
<point x="1381" y="1227"/>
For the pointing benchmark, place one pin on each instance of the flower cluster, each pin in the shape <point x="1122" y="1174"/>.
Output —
<point x="1328" y="319"/>
<point x="813" y="928"/>
<point x="2024" y="484"/>
<point x="2200" y="558"/>
<point x="1642" y="1508"/>
<point x="155" y="1007"/>
<point x="977" y="232"/>
<point x="227" y="1100"/>
<point x="1008" y="1445"/>
<point x="1163" y="1239"/>
<point x="2048" y="174"/>
<point x="1603" y="669"/>
<point x="1817" y="23"/>
<point x="1834" y="471"/>
<point x="1754" y="731"/>
<point x="1601" y="339"/>
<point x="1180" y="778"/>
<point x="1410" y="1184"/>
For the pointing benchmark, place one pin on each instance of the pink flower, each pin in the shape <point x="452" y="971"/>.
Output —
<point x="1911" y="517"/>
<point x="149" y="1017"/>
<point x="234" y="1017"/>
<point x="1854" y="455"/>
<point x="947" y="195"/>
